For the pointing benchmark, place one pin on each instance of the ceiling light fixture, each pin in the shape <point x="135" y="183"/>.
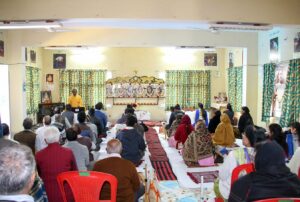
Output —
<point x="46" y="24"/>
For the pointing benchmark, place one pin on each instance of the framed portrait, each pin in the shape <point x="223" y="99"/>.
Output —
<point x="274" y="46"/>
<point x="32" y="56"/>
<point x="210" y="59"/>
<point x="59" y="61"/>
<point x="1" y="48"/>
<point x="49" y="78"/>
<point x="297" y="43"/>
<point x="46" y="97"/>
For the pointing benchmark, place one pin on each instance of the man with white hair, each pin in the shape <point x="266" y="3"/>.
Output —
<point x="129" y="186"/>
<point x="40" y="140"/>
<point x="53" y="160"/>
<point x="17" y="173"/>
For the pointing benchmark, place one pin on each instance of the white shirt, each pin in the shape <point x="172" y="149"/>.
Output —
<point x="40" y="139"/>
<point x="17" y="198"/>
<point x="294" y="163"/>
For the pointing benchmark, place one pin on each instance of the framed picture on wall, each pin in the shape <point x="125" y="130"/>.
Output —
<point x="32" y="56"/>
<point x="59" y="61"/>
<point x="297" y="43"/>
<point x="210" y="59"/>
<point x="26" y="54"/>
<point x="46" y="97"/>
<point x="1" y="48"/>
<point x="49" y="78"/>
<point x="231" y="59"/>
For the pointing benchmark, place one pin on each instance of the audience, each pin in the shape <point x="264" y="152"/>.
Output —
<point x="128" y="111"/>
<point x="245" y="119"/>
<point x="86" y="131"/>
<point x="40" y="139"/>
<point x="184" y="129"/>
<point x="129" y="186"/>
<point x="6" y="132"/>
<point x="52" y="161"/>
<point x="17" y="173"/>
<point x="295" y="130"/>
<point x="201" y="111"/>
<point x="84" y="141"/>
<point x="229" y="112"/>
<point x="224" y="135"/>
<point x="175" y="124"/>
<point x="80" y="151"/>
<point x="27" y="136"/>
<point x="99" y="113"/>
<point x="294" y="163"/>
<point x="235" y="158"/>
<point x="93" y="119"/>
<point x="277" y="134"/>
<point x="68" y="114"/>
<point x="214" y="121"/>
<point x="176" y="110"/>
<point x="271" y="178"/>
<point x="198" y="145"/>
<point x="132" y="142"/>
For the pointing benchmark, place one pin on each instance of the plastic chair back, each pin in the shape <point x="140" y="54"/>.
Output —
<point x="280" y="200"/>
<point x="86" y="185"/>
<point x="249" y="167"/>
<point x="299" y="173"/>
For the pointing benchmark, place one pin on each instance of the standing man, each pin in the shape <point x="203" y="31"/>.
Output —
<point x="75" y="100"/>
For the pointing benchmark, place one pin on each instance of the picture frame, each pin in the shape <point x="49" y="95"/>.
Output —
<point x="210" y="59"/>
<point x="297" y="43"/>
<point x="59" y="61"/>
<point x="49" y="78"/>
<point x="1" y="48"/>
<point x="46" y="97"/>
<point x="32" y="56"/>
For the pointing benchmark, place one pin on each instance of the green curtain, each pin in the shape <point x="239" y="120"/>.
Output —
<point x="235" y="87"/>
<point x="90" y="85"/>
<point x="32" y="90"/>
<point x="291" y="98"/>
<point x="187" y="88"/>
<point x="268" y="90"/>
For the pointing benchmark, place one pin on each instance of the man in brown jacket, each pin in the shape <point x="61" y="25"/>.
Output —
<point x="27" y="136"/>
<point x="129" y="185"/>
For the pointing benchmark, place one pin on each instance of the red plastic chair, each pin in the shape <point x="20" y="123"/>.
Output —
<point x="249" y="167"/>
<point x="299" y="173"/>
<point x="280" y="200"/>
<point x="86" y="186"/>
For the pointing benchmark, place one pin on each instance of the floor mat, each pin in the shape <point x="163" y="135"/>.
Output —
<point x="208" y="176"/>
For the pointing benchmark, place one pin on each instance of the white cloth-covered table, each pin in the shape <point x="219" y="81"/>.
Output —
<point x="142" y="115"/>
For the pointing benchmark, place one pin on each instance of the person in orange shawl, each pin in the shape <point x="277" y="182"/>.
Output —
<point x="224" y="135"/>
<point x="184" y="129"/>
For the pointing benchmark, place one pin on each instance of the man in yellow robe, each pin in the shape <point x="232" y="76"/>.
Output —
<point x="75" y="100"/>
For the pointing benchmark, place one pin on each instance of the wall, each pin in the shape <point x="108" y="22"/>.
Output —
<point x="118" y="38"/>
<point x="145" y="61"/>
<point x="286" y="52"/>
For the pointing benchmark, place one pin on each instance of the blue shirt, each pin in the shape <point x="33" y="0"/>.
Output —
<point x="133" y="145"/>
<point x="101" y="116"/>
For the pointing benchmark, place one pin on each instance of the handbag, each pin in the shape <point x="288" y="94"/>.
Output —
<point x="207" y="161"/>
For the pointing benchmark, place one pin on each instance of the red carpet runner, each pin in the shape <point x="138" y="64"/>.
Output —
<point x="158" y="157"/>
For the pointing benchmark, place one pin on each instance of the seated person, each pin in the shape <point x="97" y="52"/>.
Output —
<point x="198" y="145"/>
<point x="128" y="111"/>
<point x="69" y="115"/>
<point x="184" y="129"/>
<point x="80" y="151"/>
<point x="175" y="125"/>
<point x="214" y="121"/>
<point x="101" y="115"/>
<point x="132" y="142"/>
<point x="271" y="178"/>
<point x="17" y="170"/>
<point x="294" y="163"/>
<point x="201" y="113"/>
<point x="230" y="112"/>
<point x="236" y="157"/>
<point x="224" y="135"/>
<point x="129" y="186"/>
<point x="277" y="134"/>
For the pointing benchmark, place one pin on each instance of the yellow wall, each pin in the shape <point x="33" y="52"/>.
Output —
<point x="117" y="38"/>
<point x="146" y="61"/>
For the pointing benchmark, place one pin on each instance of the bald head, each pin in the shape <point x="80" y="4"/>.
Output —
<point x="47" y="120"/>
<point x="114" y="146"/>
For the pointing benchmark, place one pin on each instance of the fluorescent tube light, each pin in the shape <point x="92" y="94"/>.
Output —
<point x="29" y="25"/>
